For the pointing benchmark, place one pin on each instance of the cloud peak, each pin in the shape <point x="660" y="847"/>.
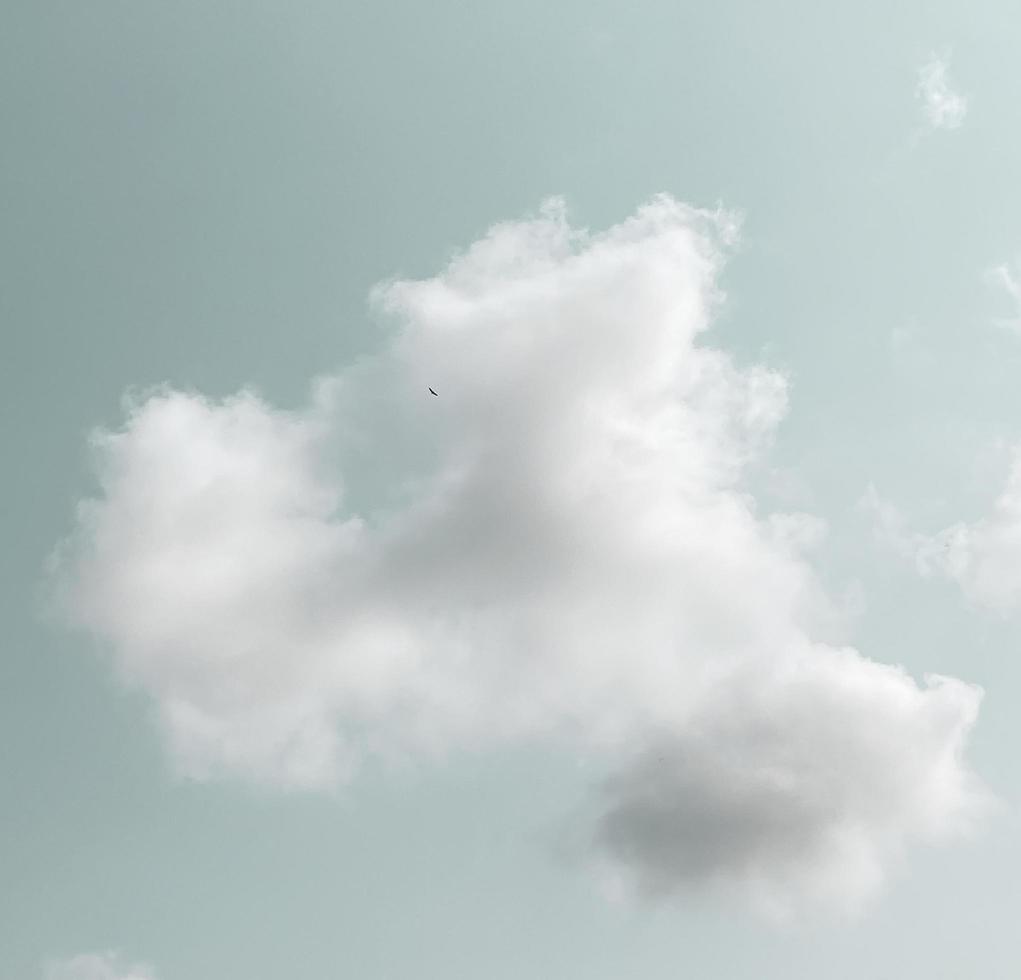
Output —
<point x="96" y="966"/>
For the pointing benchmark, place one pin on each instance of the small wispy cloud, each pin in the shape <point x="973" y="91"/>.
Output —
<point x="96" y="966"/>
<point x="944" y="108"/>
<point x="982" y="557"/>
<point x="1004" y="278"/>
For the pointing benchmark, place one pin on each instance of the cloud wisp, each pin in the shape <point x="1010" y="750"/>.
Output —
<point x="982" y="557"/>
<point x="96" y="966"/>
<point x="1004" y="278"/>
<point x="559" y="546"/>
<point x="943" y="107"/>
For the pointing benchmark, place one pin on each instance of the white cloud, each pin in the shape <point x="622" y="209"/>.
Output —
<point x="943" y="107"/>
<point x="559" y="546"/>
<point x="96" y="966"/>
<point x="982" y="557"/>
<point x="1005" y="279"/>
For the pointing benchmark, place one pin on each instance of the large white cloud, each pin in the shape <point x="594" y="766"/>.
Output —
<point x="96" y="966"/>
<point x="558" y="546"/>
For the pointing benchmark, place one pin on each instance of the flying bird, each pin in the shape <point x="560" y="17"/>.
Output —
<point x="432" y="391"/>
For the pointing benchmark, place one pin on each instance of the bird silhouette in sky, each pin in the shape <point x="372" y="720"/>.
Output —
<point x="432" y="391"/>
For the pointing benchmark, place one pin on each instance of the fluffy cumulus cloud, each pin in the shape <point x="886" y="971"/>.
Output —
<point x="983" y="557"/>
<point x="943" y="107"/>
<point x="96" y="966"/>
<point x="560" y="545"/>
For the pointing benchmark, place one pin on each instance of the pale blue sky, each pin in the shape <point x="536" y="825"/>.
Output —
<point x="204" y="194"/>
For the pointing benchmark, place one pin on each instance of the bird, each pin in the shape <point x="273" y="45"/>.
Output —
<point x="432" y="391"/>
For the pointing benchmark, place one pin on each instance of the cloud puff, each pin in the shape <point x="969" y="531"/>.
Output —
<point x="943" y="107"/>
<point x="559" y="546"/>
<point x="96" y="966"/>
<point x="982" y="557"/>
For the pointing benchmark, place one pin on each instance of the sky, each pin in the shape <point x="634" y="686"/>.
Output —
<point x="675" y="635"/>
